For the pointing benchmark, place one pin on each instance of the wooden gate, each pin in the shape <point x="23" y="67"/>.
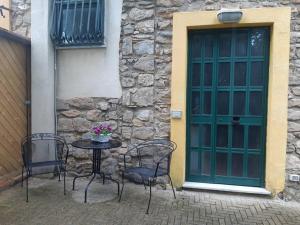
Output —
<point x="14" y="99"/>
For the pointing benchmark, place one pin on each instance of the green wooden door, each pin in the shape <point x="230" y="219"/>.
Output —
<point x="227" y="103"/>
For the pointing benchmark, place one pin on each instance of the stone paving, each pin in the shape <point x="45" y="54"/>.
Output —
<point x="48" y="206"/>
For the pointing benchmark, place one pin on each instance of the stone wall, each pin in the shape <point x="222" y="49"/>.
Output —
<point x="145" y="67"/>
<point x="20" y="17"/>
<point x="145" y="72"/>
<point x="75" y="119"/>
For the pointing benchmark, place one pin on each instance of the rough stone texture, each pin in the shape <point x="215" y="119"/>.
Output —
<point x="149" y="29"/>
<point x="21" y="17"/>
<point x="75" y="119"/>
<point x="145" y="73"/>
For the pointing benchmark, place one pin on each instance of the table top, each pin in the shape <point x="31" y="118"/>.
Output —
<point x="89" y="144"/>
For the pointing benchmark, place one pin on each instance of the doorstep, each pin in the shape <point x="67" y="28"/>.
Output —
<point x="227" y="188"/>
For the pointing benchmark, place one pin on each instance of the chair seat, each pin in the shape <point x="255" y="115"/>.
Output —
<point x="146" y="173"/>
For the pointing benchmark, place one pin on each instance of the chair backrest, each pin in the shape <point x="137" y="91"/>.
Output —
<point x="44" y="149"/>
<point x="149" y="153"/>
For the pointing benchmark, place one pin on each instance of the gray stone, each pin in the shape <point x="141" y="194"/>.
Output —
<point x="294" y="115"/>
<point x="81" y="154"/>
<point x="71" y="113"/>
<point x="113" y="124"/>
<point x="145" y="63"/>
<point x="294" y="102"/>
<point x="82" y="103"/>
<point x="145" y="80"/>
<point x="292" y="162"/>
<point x="113" y="115"/>
<point x="61" y="105"/>
<point x="128" y="29"/>
<point x="143" y="133"/>
<point x="126" y="97"/>
<point x="127" y="116"/>
<point x="145" y="26"/>
<point x="127" y="82"/>
<point x="143" y="97"/>
<point x="82" y="125"/>
<point x="296" y="91"/>
<point x="144" y="115"/>
<point x="139" y="14"/>
<point x="127" y="46"/>
<point x="103" y="106"/>
<point x="293" y="127"/>
<point x="109" y="166"/>
<point x="94" y="115"/>
<point x="144" y="47"/>
<point x="65" y="124"/>
<point x="126" y="132"/>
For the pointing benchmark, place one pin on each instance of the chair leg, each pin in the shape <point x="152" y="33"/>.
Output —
<point x="22" y="176"/>
<point x="172" y="186"/>
<point x="122" y="187"/>
<point x="64" y="182"/>
<point x="150" y="184"/>
<point x="27" y="178"/>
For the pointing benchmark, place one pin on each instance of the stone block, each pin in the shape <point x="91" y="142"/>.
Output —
<point x="146" y="26"/>
<point x="127" y="46"/>
<point x="82" y="125"/>
<point x="82" y="103"/>
<point x="144" y="47"/>
<point x="145" y="80"/>
<point x="145" y="63"/>
<point x="71" y="113"/>
<point x="65" y="124"/>
<point x="127" y="116"/>
<point x="143" y="133"/>
<point x="103" y="106"/>
<point x="139" y="14"/>
<point x="94" y="115"/>
<point x="143" y="97"/>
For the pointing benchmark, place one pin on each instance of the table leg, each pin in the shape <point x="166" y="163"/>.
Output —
<point x="87" y="187"/>
<point x="87" y="175"/>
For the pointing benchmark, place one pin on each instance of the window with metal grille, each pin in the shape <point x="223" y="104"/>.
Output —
<point x="77" y="23"/>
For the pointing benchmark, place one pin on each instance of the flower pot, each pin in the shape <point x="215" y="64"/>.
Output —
<point x="101" y="138"/>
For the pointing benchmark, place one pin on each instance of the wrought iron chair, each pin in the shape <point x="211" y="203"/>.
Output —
<point x="44" y="153"/>
<point x="152" y="161"/>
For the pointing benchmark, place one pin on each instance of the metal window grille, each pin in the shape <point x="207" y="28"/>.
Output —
<point x="77" y="23"/>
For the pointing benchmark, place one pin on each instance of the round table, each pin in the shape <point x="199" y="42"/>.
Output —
<point x="97" y="148"/>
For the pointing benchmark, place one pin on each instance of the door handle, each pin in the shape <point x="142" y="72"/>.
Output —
<point x="235" y="120"/>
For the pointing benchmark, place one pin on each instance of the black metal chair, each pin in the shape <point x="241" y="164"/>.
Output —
<point x="44" y="153"/>
<point x="152" y="161"/>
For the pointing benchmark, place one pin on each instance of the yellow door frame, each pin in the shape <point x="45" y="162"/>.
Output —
<point x="279" y="21"/>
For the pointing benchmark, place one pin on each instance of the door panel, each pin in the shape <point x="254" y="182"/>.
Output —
<point x="226" y="96"/>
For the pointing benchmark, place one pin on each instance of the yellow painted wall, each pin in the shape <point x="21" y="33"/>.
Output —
<point x="279" y="21"/>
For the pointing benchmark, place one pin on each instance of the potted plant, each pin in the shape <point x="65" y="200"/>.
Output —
<point x="101" y="132"/>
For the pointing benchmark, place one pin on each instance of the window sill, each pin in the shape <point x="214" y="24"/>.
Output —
<point x="81" y="47"/>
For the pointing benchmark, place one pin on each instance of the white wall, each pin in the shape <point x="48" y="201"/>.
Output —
<point x="42" y="66"/>
<point x="93" y="72"/>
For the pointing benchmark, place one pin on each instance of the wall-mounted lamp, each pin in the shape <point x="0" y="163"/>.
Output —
<point x="229" y="15"/>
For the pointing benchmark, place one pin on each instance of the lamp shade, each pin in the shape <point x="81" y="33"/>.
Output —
<point x="230" y="15"/>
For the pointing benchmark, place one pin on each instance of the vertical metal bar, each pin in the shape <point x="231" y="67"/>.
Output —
<point x="74" y="17"/>
<point x="97" y="17"/>
<point x="89" y="17"/>
<point x="102" y="12"/>
<point x="67" y="17"/>
<point x="53" y="25"/>
<point x="81" y="15"/>
<point x="59" y="17"/>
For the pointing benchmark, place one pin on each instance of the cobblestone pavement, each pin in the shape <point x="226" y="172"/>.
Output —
<point x="48" y="206"/>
